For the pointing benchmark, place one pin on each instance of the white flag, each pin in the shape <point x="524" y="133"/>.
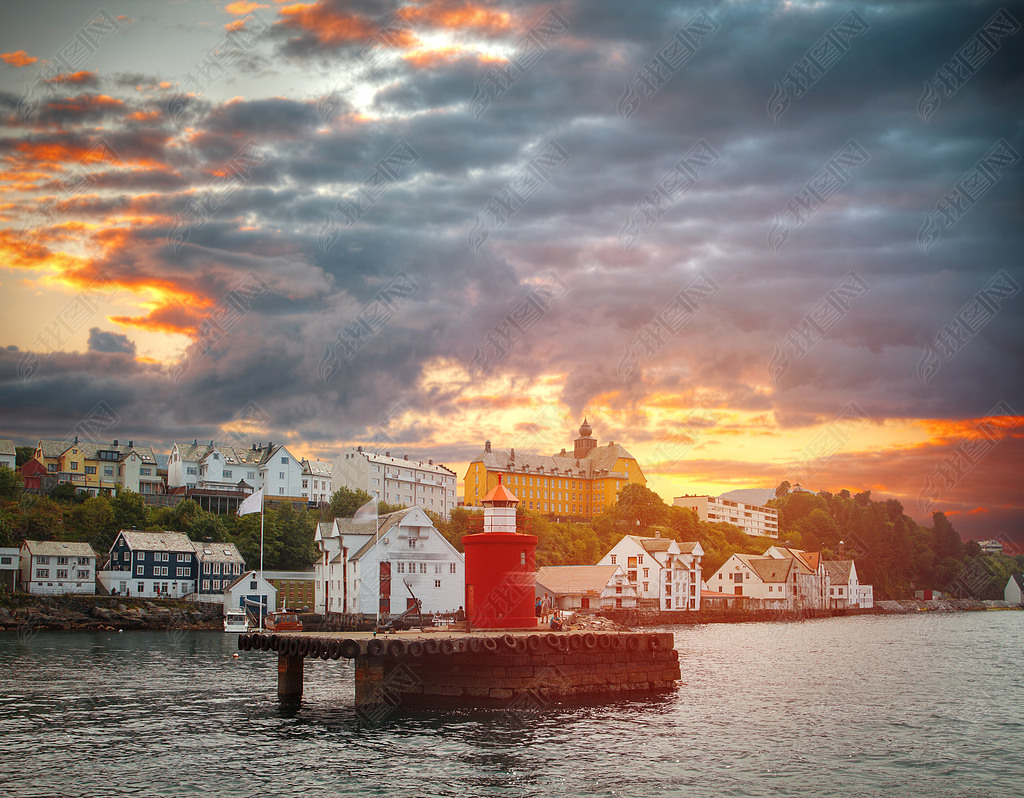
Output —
<point x="368" y="512"/>
<point x="253" y="504"/>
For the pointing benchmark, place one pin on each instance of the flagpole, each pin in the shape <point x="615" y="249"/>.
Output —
<point x="376" y="548"/>
<point x="263" y="608"/>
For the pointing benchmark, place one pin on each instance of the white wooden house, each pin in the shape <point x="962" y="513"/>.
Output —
<point x="666" y="574"/>
<point x="586" y="587"/>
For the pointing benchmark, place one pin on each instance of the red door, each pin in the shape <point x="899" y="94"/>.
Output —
<point x="385" y="588"/>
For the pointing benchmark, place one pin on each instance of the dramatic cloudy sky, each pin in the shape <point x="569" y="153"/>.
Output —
<point x="750" y="241"/>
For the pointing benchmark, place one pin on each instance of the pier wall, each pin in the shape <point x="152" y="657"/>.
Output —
<point x="483" y="670"/>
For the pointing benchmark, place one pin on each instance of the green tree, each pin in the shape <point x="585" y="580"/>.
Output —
<point x="11" y="485"/>
<point x="93" y="522"/>
<point x="383" y="508"/>
<point x="946" y="540"/>
<point x="296" y="530"/>
<point x="130" y="510"/>
<point x="345" y="502"/>
<point x="22" y="454"/>
<point x="640" y="507"/>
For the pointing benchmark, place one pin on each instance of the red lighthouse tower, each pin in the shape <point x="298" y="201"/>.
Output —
<point x="500" y="567"/>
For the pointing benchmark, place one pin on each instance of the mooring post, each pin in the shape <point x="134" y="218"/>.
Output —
<point x="369" y="679"/>
<point x="289" y="676"/>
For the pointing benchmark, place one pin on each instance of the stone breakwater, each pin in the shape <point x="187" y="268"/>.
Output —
<point x="102" y="612"/>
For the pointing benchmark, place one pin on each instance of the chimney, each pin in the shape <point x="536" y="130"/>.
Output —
<point x="387" y="454"/>
<point x="657" y="533"/>
<point x="115" y="441"/>
<point x="359" y="449"/>
<point x="430" y="462"/>
<point x="487" y="445"/>
<point x="195" y="441"/>
<point x="407" y="457"/>
<point x="131" y="444"/>
<point x="512" y="454"/>
<point x="254" y="447"/>
<point x="76" y="439"/>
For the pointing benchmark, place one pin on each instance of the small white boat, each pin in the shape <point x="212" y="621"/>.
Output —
<point x="236" y="621"/>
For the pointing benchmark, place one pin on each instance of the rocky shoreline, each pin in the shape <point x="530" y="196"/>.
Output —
<point x="112" y="613"/>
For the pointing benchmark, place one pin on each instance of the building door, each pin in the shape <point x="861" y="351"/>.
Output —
<point x="385" y="588"/>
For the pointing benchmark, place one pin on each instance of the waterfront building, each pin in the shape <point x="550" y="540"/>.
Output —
<point x="249" y="591"/>
<point x="990" y="546"/>
<point x="218" y="565"/>
<point x="53" y="567"/>
<point x="150" y="564"/>
<point x="1013" y="593"/>
<point x="755" y="520"/>
<point x="757" y="582"/>
<point x="317" y="478"/>
<point x="580" y="484"/>
<point x="812" y="577"/>
<point x="368" y="567"/>
<point x="666" y="574"/>
<point x="844" y="587"/>
<point x="8" y="456"/>
<point x="586" y="587"/>
<point x="398" y="480"/>
<point x="10" y="562"/>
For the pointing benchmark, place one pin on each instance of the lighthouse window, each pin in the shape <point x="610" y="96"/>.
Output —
<point x="522" y="557"/>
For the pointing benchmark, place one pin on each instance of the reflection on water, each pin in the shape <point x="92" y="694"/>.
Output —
<point x="905" y="706"/>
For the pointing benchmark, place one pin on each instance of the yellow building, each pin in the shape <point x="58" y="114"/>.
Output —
<point x="580" y="484"/>
<point x="106" y="468"/>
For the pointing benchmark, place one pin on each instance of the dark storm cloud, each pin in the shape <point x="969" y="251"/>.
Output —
<point x="272" y="221"/>
<point x="110" y="342"/>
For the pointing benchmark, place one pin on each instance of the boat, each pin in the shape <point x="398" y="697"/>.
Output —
<point x="236" y="621"/>
<point x="283" y="621"/>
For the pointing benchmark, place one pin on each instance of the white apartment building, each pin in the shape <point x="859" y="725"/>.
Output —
<point x="317" y="480"/>
<point x="226" y="468"/>
<point x="397" y="480"/>
<point x="665" y="573"/>
<point x="753" y="519"/>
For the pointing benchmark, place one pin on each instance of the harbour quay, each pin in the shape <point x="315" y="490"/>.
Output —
<point x="481" y="668"/>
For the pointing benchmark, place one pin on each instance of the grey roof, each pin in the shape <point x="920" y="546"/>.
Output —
<point x="217" y="551"/>
<point x="839" y="570"/>
<point x="318" y="468"/>
<point x="770" y="569"/>
<point x="387" y="522"/>
<point x="156" y="541"/>
<point x="652" y="545"/>
<point x="90" y="451"/>
<point x="596" y="461"/>
<point x="7" y="447"/>
<point x="161" y="461"/>
<point x="1019" y="579"/>
<point x="54" y="448"/>
<point x="58" y="548"/>
<point x="235" y="455"/>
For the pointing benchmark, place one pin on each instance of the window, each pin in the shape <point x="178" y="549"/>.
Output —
<point x="6" y="561"/>
<point x="253" y="585"/>
<point x="631" y="562"/>
<point x="452" y="568"/>
<point x="206" y="567"/>
<point x="141" y="587"/>
<point x="216" y="567"/>
<point x="42" y="573"/>
<point x="206" y="584"/>
<point x="191" y="470"/>
<point x="179" y="572"/>
<point x="423" y="567"/>
<point x="90" y="469"/>
<point x="138" y="570"/>
<point x="646" y="572"/>
<point x="62" y="573"/>
<point x="74" y="465"/>
<point x="618" y="603"/>
<point x="83" y="575"/>
<point x="182" y="558"/>
<point x="437" y="583"/>
<point x="108" y="471"/>
<point x="148" y="472"/>
<point x="250" y="475"/>
<point x="280" y="491"/>
<point x="631" y="576"/>
<point x="400" y="568"/>
<point x="280" y="474"/>
<point x="227" y="474"/>
<point x="305" y="483"/>
<point x="613" y="559"/>
<point x="737" y="577"/>
<point x="618" y="588"/>
<point x="646" y="586"/>
<point x="62" y="561"/>
<point x="412" y="543"/>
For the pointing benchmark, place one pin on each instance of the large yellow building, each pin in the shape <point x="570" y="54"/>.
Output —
<point x="580" y="484"/>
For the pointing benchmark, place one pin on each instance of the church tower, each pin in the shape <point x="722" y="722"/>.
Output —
<point x="584" y="443"/>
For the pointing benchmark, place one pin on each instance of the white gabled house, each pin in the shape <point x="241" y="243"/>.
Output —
<point x="666" y="574"/>
<point x="248" y="592"/>
<point x="760" y="582"/>
<point x="844" y="587"/>
<point x="369" y="568"/>
<point x="53" y="567"/>
<point x="280" y="474"/>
